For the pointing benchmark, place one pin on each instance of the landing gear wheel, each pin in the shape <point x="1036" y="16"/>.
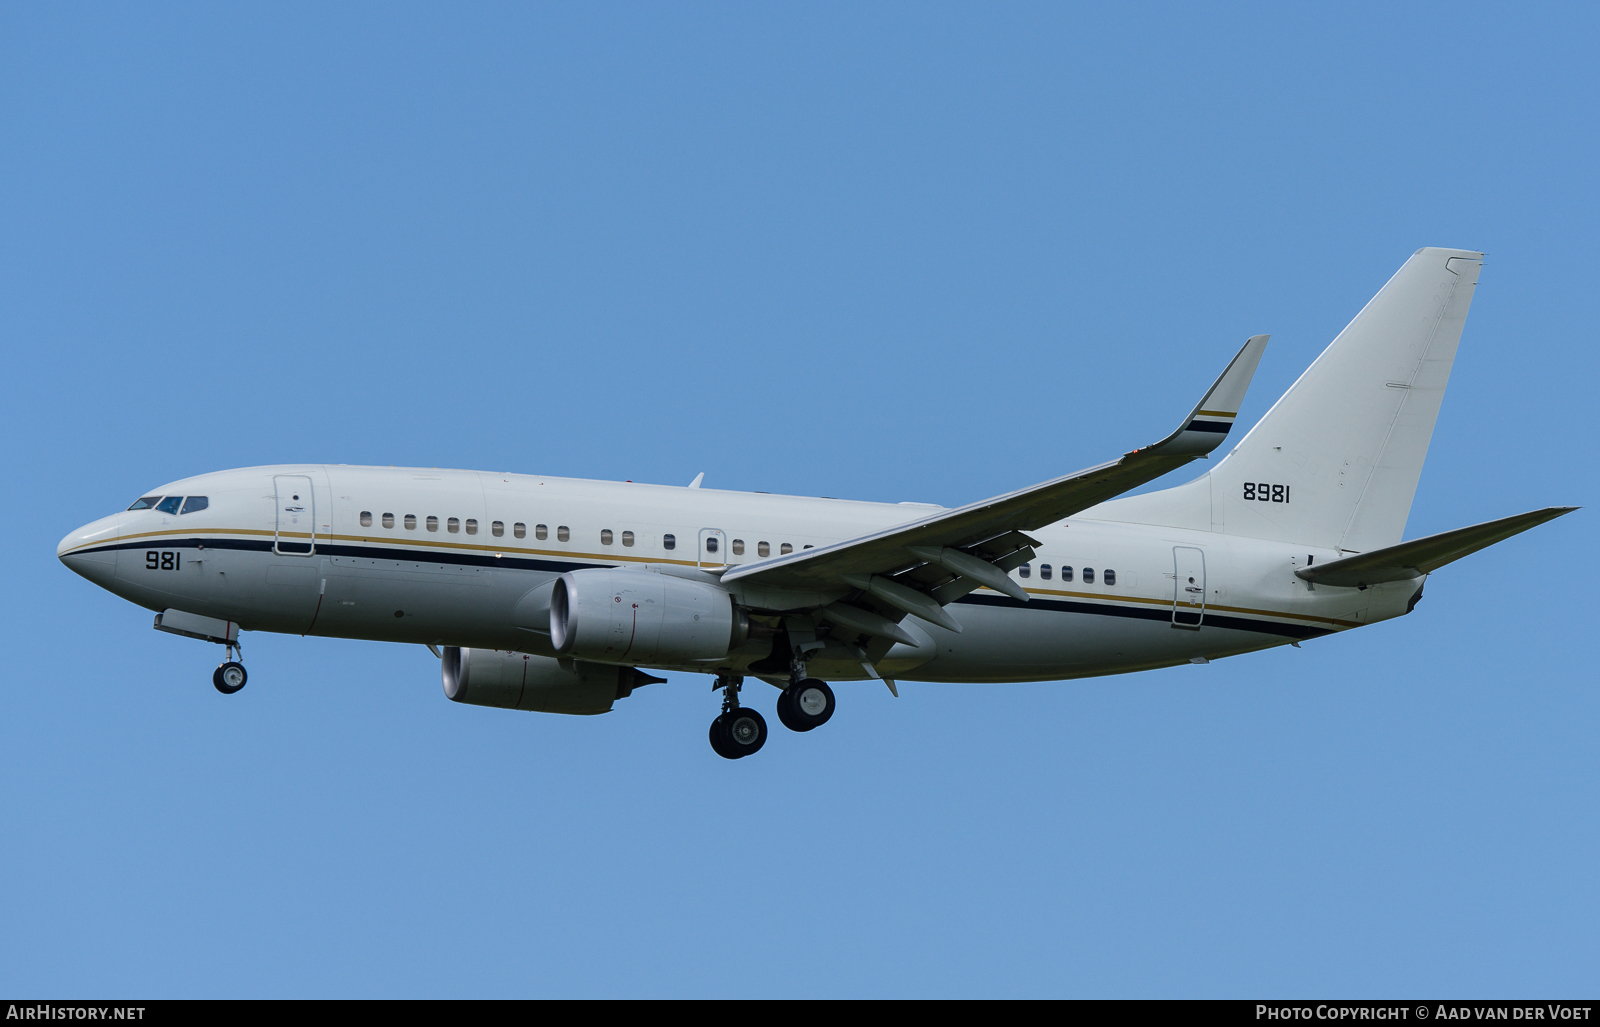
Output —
<point x="786" y="714"/>
<point x="738" y="733"/>
<point x="805" y="705"/>
<point x="229" y="678"/>
<point x="719" y="740"/>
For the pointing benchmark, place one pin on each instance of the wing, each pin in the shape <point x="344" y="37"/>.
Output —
<point x="1424" y="555"/>
<point x="919" y="566"/>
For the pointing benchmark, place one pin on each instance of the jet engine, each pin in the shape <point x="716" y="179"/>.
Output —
<point x="518" y="681"/>
<point x="620" y="615"/>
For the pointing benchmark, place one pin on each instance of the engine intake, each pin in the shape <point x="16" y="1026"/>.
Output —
<point x="518" y="681"/>
<point x="641" y="617"/>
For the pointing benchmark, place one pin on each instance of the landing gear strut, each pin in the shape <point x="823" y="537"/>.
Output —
<point x="230" y="677"/>
<point x="738" y="731"/>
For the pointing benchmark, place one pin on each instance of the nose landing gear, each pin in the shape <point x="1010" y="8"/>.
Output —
<point x="230" y="677"/>
<point x="738" y="731"/>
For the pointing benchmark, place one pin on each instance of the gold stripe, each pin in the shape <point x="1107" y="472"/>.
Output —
<point x="419" y="542"/>
<point x="1215" y="413"/>
<point x="187" y="531"/>
<point x="618" y="558"/>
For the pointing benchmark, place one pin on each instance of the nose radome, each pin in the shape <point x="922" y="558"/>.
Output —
<point x="78" y="553"/>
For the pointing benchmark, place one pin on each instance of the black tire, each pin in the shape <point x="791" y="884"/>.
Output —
<point x="229" y="678"/>
<point x="744" y="732"/>
<point x="719" y="740"/>
<point x="811" y="701"/>
<point x="788" y="716"/>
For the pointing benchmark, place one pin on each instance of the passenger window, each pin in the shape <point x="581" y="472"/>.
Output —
<point x="453" y="525"/>
<point x="763" y="549"/>
<point x="785" y="548"/>
<point x="541" y="532"/>
<point x="472" y="526"/>
<point x="669" y="541"/>
<point x="627" y="538"/>
<point x="1110" y="577"/>
<point x="520" y="530"/>
<point x="1044" y="572"/>
<point x="497" y="529"/>
<point x="1066" y="573"/>
<point x="605" y="536"/>
<point x="388" y="520"/>
<point x="1088" y="575"/>
<point x="711" y="543"/>
<point x="563" y="533"/>
<point x="433" y="523"/>
<point x="1024" y="571"/>
<point x="146" y="503"/>
<point x="366" y="518"/>
<point x="195" y="503"/>
<point x="411" y="522"/>
<point x="170" y="504"/>
<point x="738" y="547"/>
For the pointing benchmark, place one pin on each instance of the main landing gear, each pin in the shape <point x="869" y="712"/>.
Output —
<point x="230" y="677"/>
<point x="806" y="704"/>
<point x="739" y="731"/>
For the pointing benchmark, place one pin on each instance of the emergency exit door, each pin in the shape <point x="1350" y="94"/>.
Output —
<point x="1189" y="587"/>
<point x="713" y="549"/>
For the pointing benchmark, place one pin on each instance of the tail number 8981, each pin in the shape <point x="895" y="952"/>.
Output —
<point x="1262" y="492"/>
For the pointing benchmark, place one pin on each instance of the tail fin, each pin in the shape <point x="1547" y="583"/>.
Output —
<point x="1335" y="462"/>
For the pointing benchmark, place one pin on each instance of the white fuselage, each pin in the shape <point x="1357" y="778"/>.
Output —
<point x="444" y="557"/>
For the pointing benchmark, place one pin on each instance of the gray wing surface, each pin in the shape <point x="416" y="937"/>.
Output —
<point x="992" y="529"/>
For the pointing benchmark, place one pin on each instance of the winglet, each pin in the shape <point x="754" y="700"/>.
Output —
<point x="1207" y="425"/>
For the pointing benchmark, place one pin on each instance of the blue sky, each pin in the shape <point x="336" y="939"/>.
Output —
<point x="892" y="252"/>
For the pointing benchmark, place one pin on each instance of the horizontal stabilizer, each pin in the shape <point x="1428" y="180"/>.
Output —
<point x="1424" y="555"/>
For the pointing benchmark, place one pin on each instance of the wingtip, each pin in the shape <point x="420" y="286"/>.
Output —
<point x="1212" y="418"/>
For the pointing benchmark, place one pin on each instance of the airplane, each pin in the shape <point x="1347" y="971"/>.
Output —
<point x="560" y="595"/>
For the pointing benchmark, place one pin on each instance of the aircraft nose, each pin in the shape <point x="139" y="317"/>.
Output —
<point x="78" y="551"/>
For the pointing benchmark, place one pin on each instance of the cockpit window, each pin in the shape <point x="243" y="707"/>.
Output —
<point x="146" y="503"/>
<point x="170" y="504"/>
<point x="194" y="503"/>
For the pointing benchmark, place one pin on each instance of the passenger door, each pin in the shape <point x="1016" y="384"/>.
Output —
<point x="295" y="532"/>
<point x="1189" y="587"/>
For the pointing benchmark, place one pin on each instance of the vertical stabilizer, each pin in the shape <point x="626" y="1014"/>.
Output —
<point x="1335" y="462"/>
<point x="1347" y="441"/>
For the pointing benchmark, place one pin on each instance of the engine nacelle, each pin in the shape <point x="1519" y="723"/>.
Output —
<point x="640" y="617"/>
<point x="518" y="681"/>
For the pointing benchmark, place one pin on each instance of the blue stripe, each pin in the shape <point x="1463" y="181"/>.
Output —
<point x="1212" y="620"/>
<point x="1161" y="613"/>
<point x="456" y="559"/>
